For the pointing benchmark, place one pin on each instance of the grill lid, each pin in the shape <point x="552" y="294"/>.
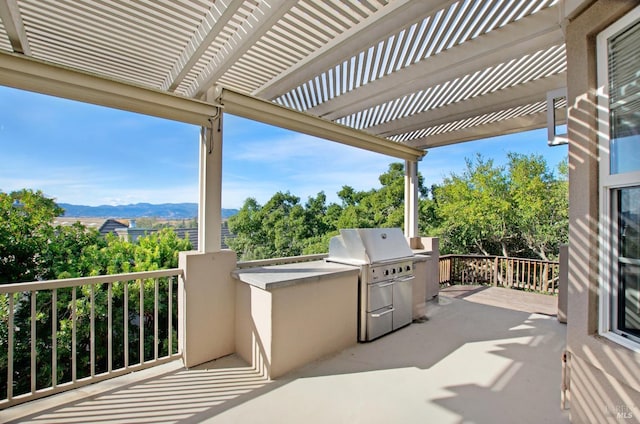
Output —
<point x="368" y="245"/>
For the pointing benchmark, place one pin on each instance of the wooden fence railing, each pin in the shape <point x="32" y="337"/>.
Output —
<point x="529" y="274"/>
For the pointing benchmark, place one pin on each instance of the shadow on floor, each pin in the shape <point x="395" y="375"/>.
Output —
<point x="468" y="363"/>
<point x="460" y="292"/>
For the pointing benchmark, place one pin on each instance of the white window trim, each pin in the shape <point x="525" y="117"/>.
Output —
<point x="607" y="238"/>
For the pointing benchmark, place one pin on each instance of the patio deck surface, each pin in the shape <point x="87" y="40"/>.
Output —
<point x="468" y="363"/>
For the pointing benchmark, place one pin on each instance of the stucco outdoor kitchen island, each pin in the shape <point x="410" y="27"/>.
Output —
<point x="290" y="315"/>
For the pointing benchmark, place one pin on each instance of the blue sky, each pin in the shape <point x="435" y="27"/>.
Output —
<point x="85" y="154"/>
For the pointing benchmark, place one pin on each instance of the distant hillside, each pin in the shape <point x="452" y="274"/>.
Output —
<point x="139" y="210"/>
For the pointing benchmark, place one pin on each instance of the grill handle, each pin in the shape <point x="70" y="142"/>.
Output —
<point x="403" y="279"/>
<point x="391" y="283"/>
<point x="388" y="311"/>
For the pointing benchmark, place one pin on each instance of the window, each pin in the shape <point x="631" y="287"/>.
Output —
<point x="619" y="125"/>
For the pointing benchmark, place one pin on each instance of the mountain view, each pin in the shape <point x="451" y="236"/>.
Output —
<point x="139" y="210"/>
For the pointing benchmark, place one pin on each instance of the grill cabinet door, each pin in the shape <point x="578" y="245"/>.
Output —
<point x="379" y="322"/>
<point x="402" y="302"/>
<point x="379" y="295"/>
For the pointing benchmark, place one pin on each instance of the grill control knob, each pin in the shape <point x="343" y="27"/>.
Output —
<point x="393" y="270"/>
<point x="408" y="268"/>
<point x="386" y="272"/>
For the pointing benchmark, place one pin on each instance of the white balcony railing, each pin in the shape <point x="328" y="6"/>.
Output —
<point x="61" y="334"/>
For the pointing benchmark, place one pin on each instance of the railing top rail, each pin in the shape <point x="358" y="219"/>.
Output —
<point x="511" y="258"/>
<point x="470" y="256"/>
<point x="278" y="261"/>
<point x="82" y="281"/>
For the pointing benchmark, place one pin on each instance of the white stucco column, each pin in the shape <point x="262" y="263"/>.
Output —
<point x="210" y="202"/>
<point x="411" y="199"/>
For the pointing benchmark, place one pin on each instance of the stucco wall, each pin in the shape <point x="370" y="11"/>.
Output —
<point x="253" y="326"/>
<point x="207" y="305"/>
<point x="605" y="377"/>
<point x="426" y="285"/>
<point x="282" y="329"/>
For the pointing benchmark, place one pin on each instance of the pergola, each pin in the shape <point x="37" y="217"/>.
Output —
<point x="391" y="76"/>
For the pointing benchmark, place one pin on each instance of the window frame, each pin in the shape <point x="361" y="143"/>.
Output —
<point x="609" y="184"/>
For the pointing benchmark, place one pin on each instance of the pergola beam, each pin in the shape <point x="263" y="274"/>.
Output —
<point x="200" y="41"/>
<point x="261" y="21"/>
<point x="531" y="34"/>
<point x="531" y="92"/>
<point x="376" y="27"/>
<point x="270" y="113"/>
<point x="13" y="25"/>
<point x="34" y="75"/>
<point x="494" y="129"/>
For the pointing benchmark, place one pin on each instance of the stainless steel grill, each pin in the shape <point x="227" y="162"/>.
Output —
<point x="386" y="274"/>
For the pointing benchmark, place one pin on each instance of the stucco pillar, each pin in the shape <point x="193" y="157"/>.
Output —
<point x="563" y="283"/>
<point x="207" y="299"/>
<point x="411" y="203"/>
<point x="210" y="202"/>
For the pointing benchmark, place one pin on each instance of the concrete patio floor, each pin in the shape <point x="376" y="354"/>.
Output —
<point x="468" y="363"/>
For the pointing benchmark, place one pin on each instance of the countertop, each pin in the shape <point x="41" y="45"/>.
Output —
<point x="421" y="255"/>
<point x="278" y="276"/>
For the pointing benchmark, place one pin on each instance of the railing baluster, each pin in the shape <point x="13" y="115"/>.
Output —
<point x="74" y="371"/>
<point x="54" y="338"/>
<point x="33" y="342"/>
<point x="511" y="277"/>
<point x="170" y="315"/>
<point x="486" y="270"/>
<point x="141" y="321"/>
<point x="155" y="318"/>
<point x="539" y="274"/>
<point x="126" y="323"/>
<point x="92" y="319"/>
<point x="109" y="327"/>
<point x="10" y="349"/>
<point x="541" y="277"/>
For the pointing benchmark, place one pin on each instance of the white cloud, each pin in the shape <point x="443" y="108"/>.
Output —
<point x="287" y="147"/>
<point x="92" y="186"/>
<point x="176" y="194"/>
<point x="300" y="164"/>
<point x="234" y="193"/>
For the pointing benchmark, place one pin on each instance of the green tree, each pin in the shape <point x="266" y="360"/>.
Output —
<point x="159" y="250"/>
<point x="283" y="218"/>
<point x="429" y="220"/>
<point x="521" y="209"/>
<point x="476" y="209"/>
<point x="26" y="227"/>
<point x="283" y="227"/>
<point x="383" y="207"/>
<point x="541" y="203"/>
<point x="250" y="236"/>
<point x="316" y="220"/>
<point x="320" y="224"/>
<point x="274" y="230"/>
<point x="74" y="251"/>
